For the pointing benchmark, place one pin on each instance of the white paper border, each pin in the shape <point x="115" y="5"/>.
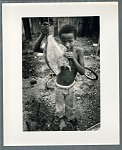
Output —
<point x="12" y="73"/>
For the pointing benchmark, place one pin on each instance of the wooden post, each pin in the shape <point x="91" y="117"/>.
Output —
<point x="35" y="25"/>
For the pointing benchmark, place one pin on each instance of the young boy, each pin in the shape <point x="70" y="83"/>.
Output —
<point x="65" y="81"/>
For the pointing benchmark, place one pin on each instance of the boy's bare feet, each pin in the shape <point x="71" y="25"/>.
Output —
<point x="62" y="123"/>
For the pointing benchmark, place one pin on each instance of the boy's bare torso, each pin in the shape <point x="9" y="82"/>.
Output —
<point x="74" y="54"/>
<point x="66" y="76"/>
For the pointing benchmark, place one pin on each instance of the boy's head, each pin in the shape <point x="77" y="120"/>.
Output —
<point x="68" y="35"/>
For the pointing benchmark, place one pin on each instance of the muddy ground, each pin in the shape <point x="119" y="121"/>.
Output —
<point x="39" y="100"/>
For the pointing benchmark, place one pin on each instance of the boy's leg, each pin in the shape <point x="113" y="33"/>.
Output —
<point x="60" y="107"/>
<point x="60" y="103"/>
<point x="70" y="104"/>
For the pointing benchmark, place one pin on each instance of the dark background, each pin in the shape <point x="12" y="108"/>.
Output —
<point x="86" y="26"/>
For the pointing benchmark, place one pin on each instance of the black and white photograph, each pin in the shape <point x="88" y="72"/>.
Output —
<point x="61" y="73"/>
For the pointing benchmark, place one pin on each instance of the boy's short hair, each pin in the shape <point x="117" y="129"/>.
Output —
<point x="68" y="29"/>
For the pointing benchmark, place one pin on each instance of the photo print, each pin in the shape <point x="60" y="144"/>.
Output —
<point x="61" y="73"/>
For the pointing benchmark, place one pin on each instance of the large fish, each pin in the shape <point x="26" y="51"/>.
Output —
<point x="55" y="55"/>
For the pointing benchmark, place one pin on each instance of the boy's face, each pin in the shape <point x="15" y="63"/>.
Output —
<point x="68" y="40"/>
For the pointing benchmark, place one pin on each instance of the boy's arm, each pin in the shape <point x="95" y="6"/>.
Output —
<point x="46" y="30"/>
<point x="80" y="62"/>
<point x="36" y="46"/>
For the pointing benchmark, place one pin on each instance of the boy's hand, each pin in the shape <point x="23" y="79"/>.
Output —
<point x="69" y="55"/>
<point x="46" y="29"/>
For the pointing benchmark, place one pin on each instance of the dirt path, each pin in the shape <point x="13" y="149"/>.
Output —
<point x="39" y="102"/>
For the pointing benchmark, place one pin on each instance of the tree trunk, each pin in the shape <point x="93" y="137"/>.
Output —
<point x="27" y="28"/>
